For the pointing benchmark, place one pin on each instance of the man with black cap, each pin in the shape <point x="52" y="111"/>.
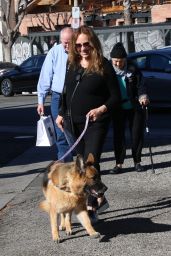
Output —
<point x="134" y="97"/>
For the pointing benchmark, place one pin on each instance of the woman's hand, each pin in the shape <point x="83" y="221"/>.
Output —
<point x="95" y="113"/>
<point x="60" y="122"/>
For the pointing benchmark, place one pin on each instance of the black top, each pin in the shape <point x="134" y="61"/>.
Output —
<point x="93" y="91"/>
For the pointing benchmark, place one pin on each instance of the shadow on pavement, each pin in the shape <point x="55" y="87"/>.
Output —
<point x="25" y="173"/>
<point x="146" y="167"/>
<point x="11" y="147"/>
<point x="158" y="205"/>
<point x="110" y="229"/>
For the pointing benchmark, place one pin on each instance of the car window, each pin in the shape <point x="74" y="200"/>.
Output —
<point x="159" y="63"/>
<point x="30" y="62"/>
<point x="141" y="62"/>
<point x="40" y="61"/>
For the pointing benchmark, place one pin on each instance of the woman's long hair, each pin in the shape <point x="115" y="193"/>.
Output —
<point x="96" y="54"/>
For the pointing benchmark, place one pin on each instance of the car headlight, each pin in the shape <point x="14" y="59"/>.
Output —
<point x="2" y="71"/>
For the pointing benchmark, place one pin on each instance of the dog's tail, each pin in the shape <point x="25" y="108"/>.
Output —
<point x="47" y="175"/>
<point x="45" y="206"/>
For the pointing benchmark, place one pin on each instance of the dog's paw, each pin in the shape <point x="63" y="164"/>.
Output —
<point x="95" y="235"/>
<point x="58" y="240"/>
<point x="69" y="232"/>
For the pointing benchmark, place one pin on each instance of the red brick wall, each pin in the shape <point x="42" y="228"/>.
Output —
<point x="46" y="21"/>
<point x="159" y="13"/>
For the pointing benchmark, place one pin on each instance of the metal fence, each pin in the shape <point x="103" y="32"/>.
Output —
<point x="135" y="38"/>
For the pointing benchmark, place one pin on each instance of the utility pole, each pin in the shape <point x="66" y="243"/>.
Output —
<point x="75" y="15"/>
<point x="127" y="12"/>
<point x="128" y="21"/>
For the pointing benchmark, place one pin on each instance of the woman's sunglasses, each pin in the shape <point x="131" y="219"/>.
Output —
<point x="85" y="45"/>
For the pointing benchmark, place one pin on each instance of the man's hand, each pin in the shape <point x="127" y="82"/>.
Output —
<point x="40" y="109"/>
<point x="60" y="122"/>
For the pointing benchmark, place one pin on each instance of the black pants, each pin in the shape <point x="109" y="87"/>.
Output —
<point x="136" y="122"/>
<point x="92" y="142"/>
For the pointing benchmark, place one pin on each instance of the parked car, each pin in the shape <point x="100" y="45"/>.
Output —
<point x="22" y="78"/>
<point x="6" y="65"/>
<point x="156" y="68"/>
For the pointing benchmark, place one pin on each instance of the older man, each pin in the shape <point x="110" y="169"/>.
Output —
<point x="52" y="79"/>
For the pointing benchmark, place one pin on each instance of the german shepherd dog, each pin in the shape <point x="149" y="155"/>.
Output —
<point x="66" y="187"/>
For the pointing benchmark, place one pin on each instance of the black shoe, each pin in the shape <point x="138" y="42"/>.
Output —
<point x="103" y="206"/>
<point x="116" y="170"/>
<point x="138" y="168"/>
<point x="93" y="217"/>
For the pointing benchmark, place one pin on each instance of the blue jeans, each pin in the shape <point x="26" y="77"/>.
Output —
<point x="61" y="142"/>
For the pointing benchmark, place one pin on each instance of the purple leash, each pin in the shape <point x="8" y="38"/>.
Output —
<point x="76" y="142"/>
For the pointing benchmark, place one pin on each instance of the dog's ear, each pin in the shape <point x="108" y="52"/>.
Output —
<point x="80" y="163"/>
<point x="90" y="159"/>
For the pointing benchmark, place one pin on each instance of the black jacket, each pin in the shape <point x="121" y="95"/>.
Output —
<point x="134" y="84"/>
<point x="93" y="91"/>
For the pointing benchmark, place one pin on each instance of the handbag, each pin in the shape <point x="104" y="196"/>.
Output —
<point x="45" y="132"/>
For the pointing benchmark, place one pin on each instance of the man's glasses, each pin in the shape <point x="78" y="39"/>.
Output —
<point x="85" y="45"/>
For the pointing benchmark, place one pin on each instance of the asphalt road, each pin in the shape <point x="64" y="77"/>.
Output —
<point x="18" y="125"/>
<point x="18" y="119"/>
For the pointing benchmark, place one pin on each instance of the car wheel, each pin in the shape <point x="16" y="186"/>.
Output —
<point x="6" y="88"/>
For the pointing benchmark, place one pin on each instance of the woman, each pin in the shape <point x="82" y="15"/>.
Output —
<point x="91" y="89"/>
<point x="134" y="97"/>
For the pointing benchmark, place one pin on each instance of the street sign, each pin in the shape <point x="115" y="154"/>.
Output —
<point x="75" y="12"/>
<point x="75" y="17"/>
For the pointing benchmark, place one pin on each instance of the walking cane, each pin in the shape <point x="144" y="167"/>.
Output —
<point x="148" y="132"/>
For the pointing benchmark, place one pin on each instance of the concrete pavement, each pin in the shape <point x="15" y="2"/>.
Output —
<point x="137" y="223"/>
<point x="20" y="172"/>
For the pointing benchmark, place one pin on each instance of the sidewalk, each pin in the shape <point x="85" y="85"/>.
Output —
<point x="20" y="172"/>
<point x="138" y="222"/>
<point x="16" y="176"/>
